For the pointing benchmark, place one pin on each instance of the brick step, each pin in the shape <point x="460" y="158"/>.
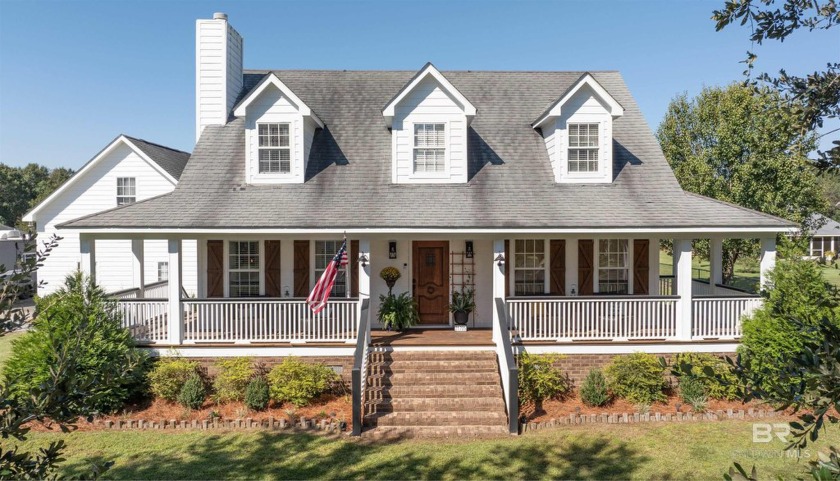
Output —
<point x="401" y="432"/>
<point x="435" y="418"/>
<point x="397" y="405"/>
<point x="432" y="356"/>
<point x="435" y="391"/>
<point x="430" y="369"/>
<point x="434" y="378"/>
<point x="421" y="364"/>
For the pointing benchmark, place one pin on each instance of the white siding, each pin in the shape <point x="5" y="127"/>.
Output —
<point x="428" y="102"/>
<point x="93" y="192"/>
<point x="218" y="71"/>
<point x="583" y="107"/>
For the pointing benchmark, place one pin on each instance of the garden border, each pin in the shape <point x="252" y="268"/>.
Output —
<point x="302" y="424"/>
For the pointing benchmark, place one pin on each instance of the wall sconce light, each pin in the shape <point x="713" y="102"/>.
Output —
<point x="574" y="290"/>
<point x="500" y="259"/>
<point x="392" y="249"/>
<point x="286" y="291"/>
<point x="363" y="260"/>
<point x="469" y="249"/>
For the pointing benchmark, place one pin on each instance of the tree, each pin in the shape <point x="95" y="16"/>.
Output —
<point x="813" y="98"/>
<point x="22" y="188"/>
<point x="738" y="145"/>
<point x="830" y="183"/>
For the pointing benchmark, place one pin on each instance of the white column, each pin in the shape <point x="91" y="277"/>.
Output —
<point x="572" y="267"/>
<point x="768" y="259"/>
<point x="364" y="279"/>
<point x="87" y="250"/>
<point x="682" y="287"/>
<point x="498" y="278"/>
<point x="138" y="267"/>
<point x="176" y="314"/>
<point x="653" y="267"/>
<point x="715" y="262"/>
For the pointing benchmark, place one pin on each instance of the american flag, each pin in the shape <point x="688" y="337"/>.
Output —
<point x="320" y="294"/>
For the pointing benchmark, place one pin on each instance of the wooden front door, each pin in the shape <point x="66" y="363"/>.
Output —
<point x="431" y="281"/>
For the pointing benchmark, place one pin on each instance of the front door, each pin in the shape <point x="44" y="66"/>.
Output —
<point x="431" y="281"/>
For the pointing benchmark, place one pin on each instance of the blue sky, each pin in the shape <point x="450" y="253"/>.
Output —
<point x="74" y="74"/>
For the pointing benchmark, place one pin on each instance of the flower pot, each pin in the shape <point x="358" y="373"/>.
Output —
<point x="461" y="317"/>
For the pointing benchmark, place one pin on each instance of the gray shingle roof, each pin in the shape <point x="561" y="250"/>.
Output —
<point x="829" y="227"/>
<point x="511" y="184"/>
<point x="171" y="160"/>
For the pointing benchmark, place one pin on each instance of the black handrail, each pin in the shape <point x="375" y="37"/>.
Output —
<point x="508" y="366"/>
<point x="358" y="363"/>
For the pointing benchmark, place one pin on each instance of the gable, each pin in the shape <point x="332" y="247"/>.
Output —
<point x="426" y="79"/>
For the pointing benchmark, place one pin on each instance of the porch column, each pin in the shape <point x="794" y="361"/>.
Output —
<point x="138" y="266"/>
<point x="572" y="267"/>
<point x="176" y="314"/>
<point x="87" y="250"/>
<point x="715" y="261"/>
<point x="498" y="276"/>
<point x="653" y="267"/>
<point x="768" y="259"/>
<point x="682" y="287"/>
<point x="364" y="278"/>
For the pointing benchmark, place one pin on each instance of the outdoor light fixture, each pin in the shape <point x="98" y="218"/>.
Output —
<point x="574" y="290"/>
<point x="363" y="260"/>
<point x="392" y="249"/>
<point x="500" y="259"/>
<point x="469" y="249"/>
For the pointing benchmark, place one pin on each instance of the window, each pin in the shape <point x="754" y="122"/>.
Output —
<point x="274" y="149"/>
<point x="583" y="147"/>
<point x="613" y="269"/>
<point x="429" y="147"/>
<point x="529" y="267"/>
<point x="244" y="268"/>
<point x="817" y="249"/>
<point x="163" y="271"/>
<point x="324" y="253"/>
<point x="126" y="190"/>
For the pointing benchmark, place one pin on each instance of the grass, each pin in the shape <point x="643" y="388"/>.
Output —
<point x="635" y="451"/>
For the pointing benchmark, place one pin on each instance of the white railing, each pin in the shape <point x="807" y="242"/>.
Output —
<point x="360" y="368"/>
<point x="157" y="290"/>
<point x="592" y="318"/>
<point x="666" y="285"/>
<point x="720" y="317"/>
<point x="146" y="319"/>
<point x="267" y="320"/>
<point x="508" y="369"/>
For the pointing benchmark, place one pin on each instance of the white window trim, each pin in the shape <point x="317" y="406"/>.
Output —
<point x="313" y="276"/>
<point x="118" y="196"/>
<point x="596" y="276"/>
<point x="291" y="147"/>
<point x="546" y="266"/>
<point x="447" y="132"/>
<point x="599" y="149"/>
<point x="603" y="151"/>
<point x="159" y="265"/>
<point x="226" y="253"/>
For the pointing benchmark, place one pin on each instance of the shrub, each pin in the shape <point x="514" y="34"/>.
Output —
<point x="397" y="312"/>
<point x="693" y="393"/>
<point x="193" y="393"/>
<point x="256" y="394"/>
<point x="169" y="375"/>
<point x="80" y="325"/>
<point x="232" y="378"/>
<point x="298" y="382"/>
<point x="593" y="391"/>
<point x="711" y="371"/>
<point x="771" y="342"/>
<point x="636" y="377"/>
<point x="540" y="380"/>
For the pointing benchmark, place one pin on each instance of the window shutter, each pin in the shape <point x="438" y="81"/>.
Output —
<point x="215" y="268"/>
<point x="508" y="267"/>
<point x="353" y="264"/>
<point x="301" y="268"/>
<point x="273" y="281"/>
<point x="641" y="265"/>
<point x="585" y="266"/>
<point x="557" y="285"/>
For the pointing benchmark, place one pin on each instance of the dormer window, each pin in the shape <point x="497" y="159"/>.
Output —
<point x="583" y="148"/>
<point x="274" y="148"/>
<point x="429" y="147"/>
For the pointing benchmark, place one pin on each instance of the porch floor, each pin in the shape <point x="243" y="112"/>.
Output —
<point x="432" y="337"/>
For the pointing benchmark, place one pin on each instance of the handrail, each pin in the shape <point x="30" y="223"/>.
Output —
<point x="240" y="300"/>
<point x="132" y="289"/>
<point x="600" y="297"/>
<point x="507" y="365"/>
<point x="359" y="374"/>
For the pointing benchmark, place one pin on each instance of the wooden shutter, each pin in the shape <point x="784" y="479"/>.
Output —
<point x="353" y="264"/>
<point x="508" y="267"/>
<point x="273" y="281"/>
<point x="557" y="284"/>
<point x="641" y="265"/>
<point x="301" y="268"/>
<point x="215" y="268"/>
<point x="585" y="266"/>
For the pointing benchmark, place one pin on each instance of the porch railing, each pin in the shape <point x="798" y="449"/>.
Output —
<point x="720" y="317"/>
<point x="507" y="364"/>
<point x="146" y="319"/>
<point x="699" y="288"/>
<point x="157" y="290"/>
<point x="360" y="365"/>
<point x="592" y="318"/>
<point x="268" y="320"/>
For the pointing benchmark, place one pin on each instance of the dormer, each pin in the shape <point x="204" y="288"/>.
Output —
<point x="428" y="119"/>
<point x="279" y="128"/>
<point x="577" y="129"/>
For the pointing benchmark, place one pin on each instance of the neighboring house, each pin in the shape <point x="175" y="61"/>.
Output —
<point x="12" y="244"/>
<point x="546" y="192"/>
<point x="826" y="238"/>
<point x="127" y="170"/>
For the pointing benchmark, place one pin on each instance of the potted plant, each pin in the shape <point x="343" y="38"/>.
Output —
<point x="463" y="303"/>
<point x="397" y="312"/>
<point x="390" y="275"/>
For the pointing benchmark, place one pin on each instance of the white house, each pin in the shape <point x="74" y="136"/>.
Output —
<point x="127" y="170"/>
<point x="11" y="247"/>
<point x="546" y="192"/>
<point x="825" y="239"/>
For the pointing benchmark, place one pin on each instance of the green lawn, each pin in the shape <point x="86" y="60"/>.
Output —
<point x="637" y="451"/>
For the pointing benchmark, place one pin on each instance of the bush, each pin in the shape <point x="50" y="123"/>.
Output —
<point x="80" y="324"/>
<point x="593" y="391"/>
<point x="397" y="312"/>
<point x="256" y="394"/>
<point x="693" y="393"/>
<point x="770" y="341"/>
<point x="720" y="384"/>
<point x="298" y="382"/>
<point x="636" y="377"/>
<point x="169" y="375"/>
<point x="540" y="380"/>
<point x="232" y="379"/>
<point x="193" y="393"/>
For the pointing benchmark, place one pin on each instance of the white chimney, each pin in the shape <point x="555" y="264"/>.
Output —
<point x="218" y="76"/>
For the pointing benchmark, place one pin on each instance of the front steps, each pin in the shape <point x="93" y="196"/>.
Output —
<point x="434" y="393"/>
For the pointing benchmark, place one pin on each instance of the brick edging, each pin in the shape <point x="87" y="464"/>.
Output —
<point x="302" y="424"/>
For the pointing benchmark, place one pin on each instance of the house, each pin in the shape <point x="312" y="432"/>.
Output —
<point x="127" y="170"/>
<point x="546" y="192"/>
<point x="11" y="247"/>
<point x="825" y="239"/>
